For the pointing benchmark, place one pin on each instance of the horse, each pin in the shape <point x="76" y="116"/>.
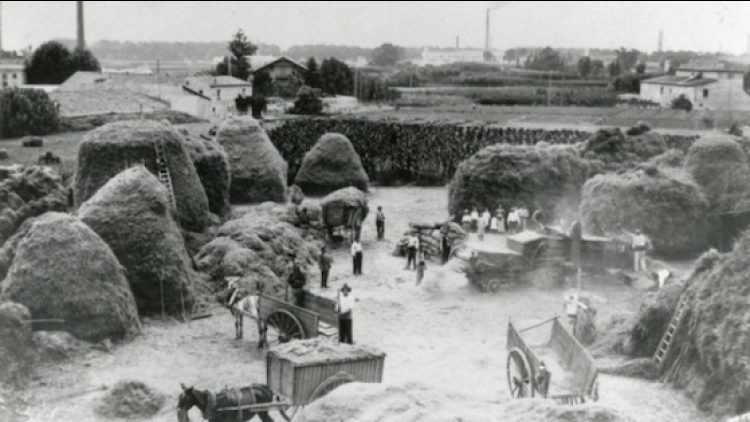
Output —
<point x="210" y="403"/>
<point x="248" y="306"/>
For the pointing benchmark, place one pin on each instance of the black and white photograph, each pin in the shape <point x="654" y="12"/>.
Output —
<point x="387" y="211"/>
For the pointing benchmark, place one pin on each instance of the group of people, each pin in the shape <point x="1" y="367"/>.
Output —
<point x="481" y="220"/>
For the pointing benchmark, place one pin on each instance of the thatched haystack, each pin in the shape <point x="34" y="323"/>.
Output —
<point x="547" y="178"/>
<point x="110" y="149"/>
<point x="339" y="205"/>
<point x="131" y="400"/>
<point x="16" y="349"/>
<point x="331" y="164"/>
<point x="719" y="165"/>
<point x="618" y="151"/>
<point x="259" y="172"/>
<point x="63" y="270"/>
<point x="212" y="164"/>
<point x="131" y="213"/>
<point x="666" y="204"/>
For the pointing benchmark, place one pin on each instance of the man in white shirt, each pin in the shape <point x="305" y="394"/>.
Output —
<point x="344" y="308"/>
<point x="412" y="246"/>
<point x="641" y="244"/>
<point x="357" y="256"/>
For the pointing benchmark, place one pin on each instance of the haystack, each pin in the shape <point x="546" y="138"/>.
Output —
<point x="666" y="204"/>
<point x="16" y="349"/>
<point x="212" y="164"/>
<point x="30" y="183"/>
<point x="719" y="165"/>
<point x="131" y="213"/>
<point x="618" y="151"/>
<point x="338" y="206"/>
<point x="541" y="178"/>
<point x="330" y="165"/>
<point x="110" y="149"/>
<point x="63" y="270"/>
<point x="131" y="400"/>
<point x="258" y="172"/>
<point x="670" y="158"/>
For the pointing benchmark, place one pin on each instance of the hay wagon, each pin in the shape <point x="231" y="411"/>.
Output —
<point x="553" y="365"/>
<point x="283" y="321"/>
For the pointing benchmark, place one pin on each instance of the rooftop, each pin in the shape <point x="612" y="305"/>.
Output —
<point x="279" y="59"/>
<point x="685" y="81"/>
<point x="711" y="66"/>
<point x="217" y="81"/>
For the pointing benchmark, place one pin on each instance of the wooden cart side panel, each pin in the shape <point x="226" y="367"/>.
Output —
<point x="515" y="340"/>
<point x="324" y="307"/>
<point x="268" y="305"/>
<point x="280" y="376"/>
<point x="573" y="357"/>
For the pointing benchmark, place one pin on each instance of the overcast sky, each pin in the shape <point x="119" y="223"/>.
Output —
<point x="702" y="26"/>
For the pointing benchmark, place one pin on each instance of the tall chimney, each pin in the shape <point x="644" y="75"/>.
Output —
<point x="487" y="33"/>
<point x="748" y="44"/>
<point x="81" y="40"/>
<point x="661" y="41"/>
<point x="1" y="28"/>
<point x="457" y="47"/>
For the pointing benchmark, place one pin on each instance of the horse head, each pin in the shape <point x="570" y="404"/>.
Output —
<point x="188" y="398"/>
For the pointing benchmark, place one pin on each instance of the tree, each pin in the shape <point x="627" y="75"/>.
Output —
<point x="50" y="64"/>
<point x="386" y="55"/>
<point x="239" y="47"/>
<point x="682" y="103"/>
<point x="584" y="67"/>
<point x="336" y="77"/>
<point x="312" y="74"/>
<point x="83" y="59"/>
<point x="640" y="70"/>
<point x="597" y="68"/>
<point x="262" y="83"/>
<point x="614" y="69"/>
<point x="308" y="101"/>
<point x="627" y="58"/>
<point x="547" y="60"/>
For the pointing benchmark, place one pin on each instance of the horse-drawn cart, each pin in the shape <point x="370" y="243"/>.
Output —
<point x="550" y="363"/>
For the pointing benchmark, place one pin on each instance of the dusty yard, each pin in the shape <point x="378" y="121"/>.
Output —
<point x="448" y="335"/>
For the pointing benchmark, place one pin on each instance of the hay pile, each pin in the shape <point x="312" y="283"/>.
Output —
<point x="110" y="149"/>
<point x="666" y="204"/>
<point x="212" y="165"/>
<point x="63" y="270"/>
<point x="131" y="213"/>
<point x="330" y="165"/>
<point x="339" y="205"/>
<point x="431" y="239"/>
<point x="719" y="166"/>
<point x="674" y="158"/>
<point x="258" y="172"/>
<point x="361" y="402"/>
<point x="16" y="348"/>
<point x="131" y="400"/>
<point x="618" y="151"/>
<point x="546" y="178"/>
<point x="312" y="351"/>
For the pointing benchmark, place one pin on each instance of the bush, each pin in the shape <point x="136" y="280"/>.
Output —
<point x="682" y="103"/>
<point x="308" y="102"/>
<point x="26" y="112"/>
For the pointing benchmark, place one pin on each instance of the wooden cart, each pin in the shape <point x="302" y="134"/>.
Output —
<point x="549" y="362"/>
<point x="282" y="321"/>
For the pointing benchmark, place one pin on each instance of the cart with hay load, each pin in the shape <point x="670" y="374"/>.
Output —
<point x="343" y="213"/>
<point x="546" y="361"/>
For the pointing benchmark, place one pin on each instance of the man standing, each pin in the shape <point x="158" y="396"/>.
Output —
<point x="344" y="308"/>
<point x="641" y="244"/>
<point x="474" y="219"/>
<point x="380" y="223"/>
<point x="324" y="263"/>
<point x="571" y="309"/>
<point x="411" y="251"/>
<point x="297" y="281"/>
<point x="357" y="256"/>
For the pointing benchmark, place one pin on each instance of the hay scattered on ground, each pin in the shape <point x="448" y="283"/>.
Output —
<point x="258" y="172"/>
<point x="666" y="204"/>
<point x="212" y="165"/>
<point x="58" y="345"/>
<point x="131" y="213"/>
<point x="307" y="352"/>
<point x="110" y="149"/>
<point x="64" y="270"/>
<point x="643" y="368"/>
<point x="17" y="346"/>
<point x="131" y="400"/>
<point x="330" y="165"/>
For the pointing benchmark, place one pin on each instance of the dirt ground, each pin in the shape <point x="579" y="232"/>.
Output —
<point x="448" y="335"/>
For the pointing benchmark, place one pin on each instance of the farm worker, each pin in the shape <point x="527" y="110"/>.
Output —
<point x="474" y="219"/>
<point x="412" y="245"/>
<point x="481" y="224"/>
<point x="297" y="281"/>
<point x="662" y="276"/>
<point x="357" y="256"/>
<point x="523" y="216"/>
<point x="380" y="223"/>
<point x="500" y="215"/>
<point x="241" y="302"/>
<point x="236" y="294"/>
<point x="324" y="263"/>
<point x="466" y="221"/>
<point x="641" y="243"/>
<point x="420" y="268"/>
<point x="344" y="308"/>
<point x="571" y="309"/>
<point x="487" y="217"/>
<point x="513" y="221"/>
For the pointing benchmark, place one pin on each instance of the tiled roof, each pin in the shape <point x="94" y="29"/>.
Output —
<point x="686" y="81"/>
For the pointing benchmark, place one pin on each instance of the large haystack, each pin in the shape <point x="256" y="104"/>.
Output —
<point x="330" y="165"/>
<point x="666" y="204"/>
<point x="339" y="205"/>
<point x="719" y="165"/>
<point x="17" y="346"/>
<point x="63" y="270"/>
<point x="618" y="151"/>
<point x="212" y="164"/>
<point x="131" y="213"/>
<point x="258" y="172"/>
<point x="110" y="149"/>
<point x="547" y="178"/>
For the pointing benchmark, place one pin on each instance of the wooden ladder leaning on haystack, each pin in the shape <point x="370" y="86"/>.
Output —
<point x="163" y="171"/>
<point x="665" y="345"/>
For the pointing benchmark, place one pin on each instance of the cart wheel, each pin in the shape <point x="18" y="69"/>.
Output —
<point x="289" y="413"/>
<point x="331" y="384"/>
<point x="286" y="328"/>
<point x="493" y="285"/>
<point x="480" y="267"/>
<point x="519" y="375"/>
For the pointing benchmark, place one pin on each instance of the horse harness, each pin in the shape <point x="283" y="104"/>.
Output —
<point x="233" y="397"/>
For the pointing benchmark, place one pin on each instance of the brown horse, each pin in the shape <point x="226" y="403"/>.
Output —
<point x="210" y="403"/>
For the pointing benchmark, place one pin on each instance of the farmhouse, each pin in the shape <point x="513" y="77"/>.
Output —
<point x="218" y="88"/>
<point x="12" y="74"/>
<point x="708" y="85"/>
<point x="286" y="75"/>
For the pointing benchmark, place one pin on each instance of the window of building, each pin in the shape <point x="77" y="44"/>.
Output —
<point x="5" y="84"/>
<point x="661" y="90"/>
<point x="218" y="94"/>
<point x="705" y="93"/>
<point x="14" y="75"/>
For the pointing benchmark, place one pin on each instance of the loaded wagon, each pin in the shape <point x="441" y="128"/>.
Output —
<point x="546" y="361"/>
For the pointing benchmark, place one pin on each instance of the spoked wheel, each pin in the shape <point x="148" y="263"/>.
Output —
<point x="282" y="327"/>
<point x="519" y="375"/>
<point x="331" y="384"/>
<point x="289" y="413"/>
<point x="493" y="286"/>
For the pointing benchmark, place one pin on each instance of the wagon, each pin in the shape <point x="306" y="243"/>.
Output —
<point x="283" y="321"/>
<point x="546" y="361"/>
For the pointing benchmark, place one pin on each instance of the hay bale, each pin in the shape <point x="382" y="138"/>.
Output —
<point x="666" y="205"/>
<point x="131" y="400"/>
<point x="542" y="178"/>
<point x="337" y="206"/>
<point x="331" y="164"/>
<point x="131" y="214"/>
<point x="258" y="171"/>
<point x="32" y="142"/>
<point x="719" y="166"/>
<point x="110" y="149"/>
<point x="16" y="349"/>
<point x="212" y="165"/>
<point x="63" y="270"/>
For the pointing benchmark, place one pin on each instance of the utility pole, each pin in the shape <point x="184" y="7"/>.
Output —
<point x="549" y="88"/>
<point x="229" y="64"/>
<point x="81" y="40"/>
<point x="356" y="92"/>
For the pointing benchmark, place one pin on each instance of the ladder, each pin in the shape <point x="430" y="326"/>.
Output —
<point x="163" y="171"/>
<point x="665" y="345"/>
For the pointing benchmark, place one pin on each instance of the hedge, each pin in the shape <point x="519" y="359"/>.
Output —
<point x="26" y="112"/>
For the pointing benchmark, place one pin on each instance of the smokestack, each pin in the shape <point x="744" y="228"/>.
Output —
<point x="487" y="33"/>
<point x="748" y="44"/>
<point x="457" y="47"/>
<point x="81" y="40"/>
<point x="1" y="27"/>
<point x="661" y="41"/>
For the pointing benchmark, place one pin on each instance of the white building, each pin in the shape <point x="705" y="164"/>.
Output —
<point x="708" y="85"/>
<point x="218" y="88"/>
<point x="12" y="75"/>
<point x="452" y="55"/>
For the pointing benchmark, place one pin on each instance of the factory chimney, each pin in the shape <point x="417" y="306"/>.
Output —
<point x="1" y="28"/>
<point x="457" y="46"/>
<point x="487" y="33"/>
<point x="81" y="39"/>
<point x="661" y="41"/>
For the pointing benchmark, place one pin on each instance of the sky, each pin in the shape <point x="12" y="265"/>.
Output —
<point x="700" y="26"/>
